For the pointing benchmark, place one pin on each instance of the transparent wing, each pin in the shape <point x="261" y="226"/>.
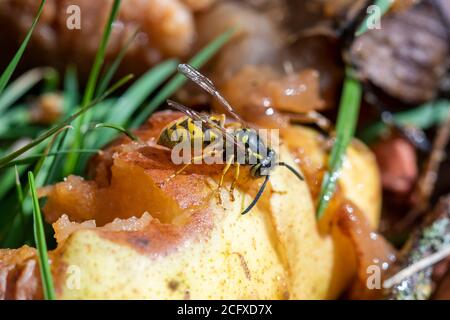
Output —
<point x="205" y="121"/>
<point x="207" y="85"/>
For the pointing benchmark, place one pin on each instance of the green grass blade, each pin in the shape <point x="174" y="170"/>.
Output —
<point x="41" y="245"/>
<point x="21" y="86"/>
<point x="6" y="159"/>
<point x="13" y="119"/>
<point x="423" y="117"/>
<point x="30" y="159"/>
<point x="41" y="165"/>
<point x="139" y="91"/>
<point x="20" y="199"/>
<point x="102" y="110"/>
<point x="18" y="185"/>
<point x="91" y="86"/>
<point x="19" y="233"/>
<point x="177" y="82"/>
<point x="8" y="209"/>
<point x="122" y="111"/>
<point x="49" y="147"/>
<point x="23" y="214"/>
<point x="111" y="71"/>
<point x="71" y="100"/>
<point x="70" y="89"/>
<point x="6" y="75"/>
<point x="117" y="128"/>
<point x="346" y="123"/>
<point x="345" y="129"/>
<point x="55" y="168"/>
<point x="19" y="131"/>
<point x="383" y="5"/>
<point x="100" y="55"/>
<point x="51" y="81"/>
<point x="7" y="178"/>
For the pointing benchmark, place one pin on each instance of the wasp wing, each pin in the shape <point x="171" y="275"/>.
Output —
<point x="206" y="122"/>
<point x="206" y="84"/>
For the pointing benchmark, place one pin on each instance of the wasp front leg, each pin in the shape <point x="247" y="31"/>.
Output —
<point x="222" y="178"/>
<point x="235" y="179"/>
<point x="208" y="152"/>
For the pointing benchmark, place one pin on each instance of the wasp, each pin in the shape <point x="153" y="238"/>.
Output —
<point x="238" y="143"/>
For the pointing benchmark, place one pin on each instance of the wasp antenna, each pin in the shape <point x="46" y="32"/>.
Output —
<point x="297" y="174"/>
<point x="258" y="195"/>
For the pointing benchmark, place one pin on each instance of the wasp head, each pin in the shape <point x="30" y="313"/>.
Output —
<point x="263" y="167"/>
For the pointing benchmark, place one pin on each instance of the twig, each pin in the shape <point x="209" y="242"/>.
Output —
<point x="426" y="182"/>
<point x="427" y="245"/>
<point x="416" y="267"/>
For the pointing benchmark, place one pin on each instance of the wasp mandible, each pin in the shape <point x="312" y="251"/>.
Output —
<point x="243" y="139"/>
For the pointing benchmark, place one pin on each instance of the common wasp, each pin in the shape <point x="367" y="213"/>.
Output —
<point x="237" y="143"/>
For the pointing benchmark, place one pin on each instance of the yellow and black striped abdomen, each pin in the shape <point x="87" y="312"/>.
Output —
<point x="185" y="129"/>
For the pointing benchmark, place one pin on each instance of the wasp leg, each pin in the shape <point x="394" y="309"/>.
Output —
<point x="222" y="177"/>
<point x="235" y="179"/>
<point x="221" y="118"/>
<point x="235" y="125"/>
<point x="315" y="118"/>
<point x="209" y="151"/>
<point x="184" y="167"/>
<point x="177" y="172"/>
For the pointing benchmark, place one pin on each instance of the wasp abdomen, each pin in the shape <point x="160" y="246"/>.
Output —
<point x="183" y="130"/>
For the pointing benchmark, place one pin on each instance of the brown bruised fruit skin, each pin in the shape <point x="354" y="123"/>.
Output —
<point x="166" y="29"/>
<point x="185" y="245"/>
<point x="373" y="252"/>
<point x="19" y="274"/>
<point x="397" y="160"/>
<point x="260" y="95"/>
